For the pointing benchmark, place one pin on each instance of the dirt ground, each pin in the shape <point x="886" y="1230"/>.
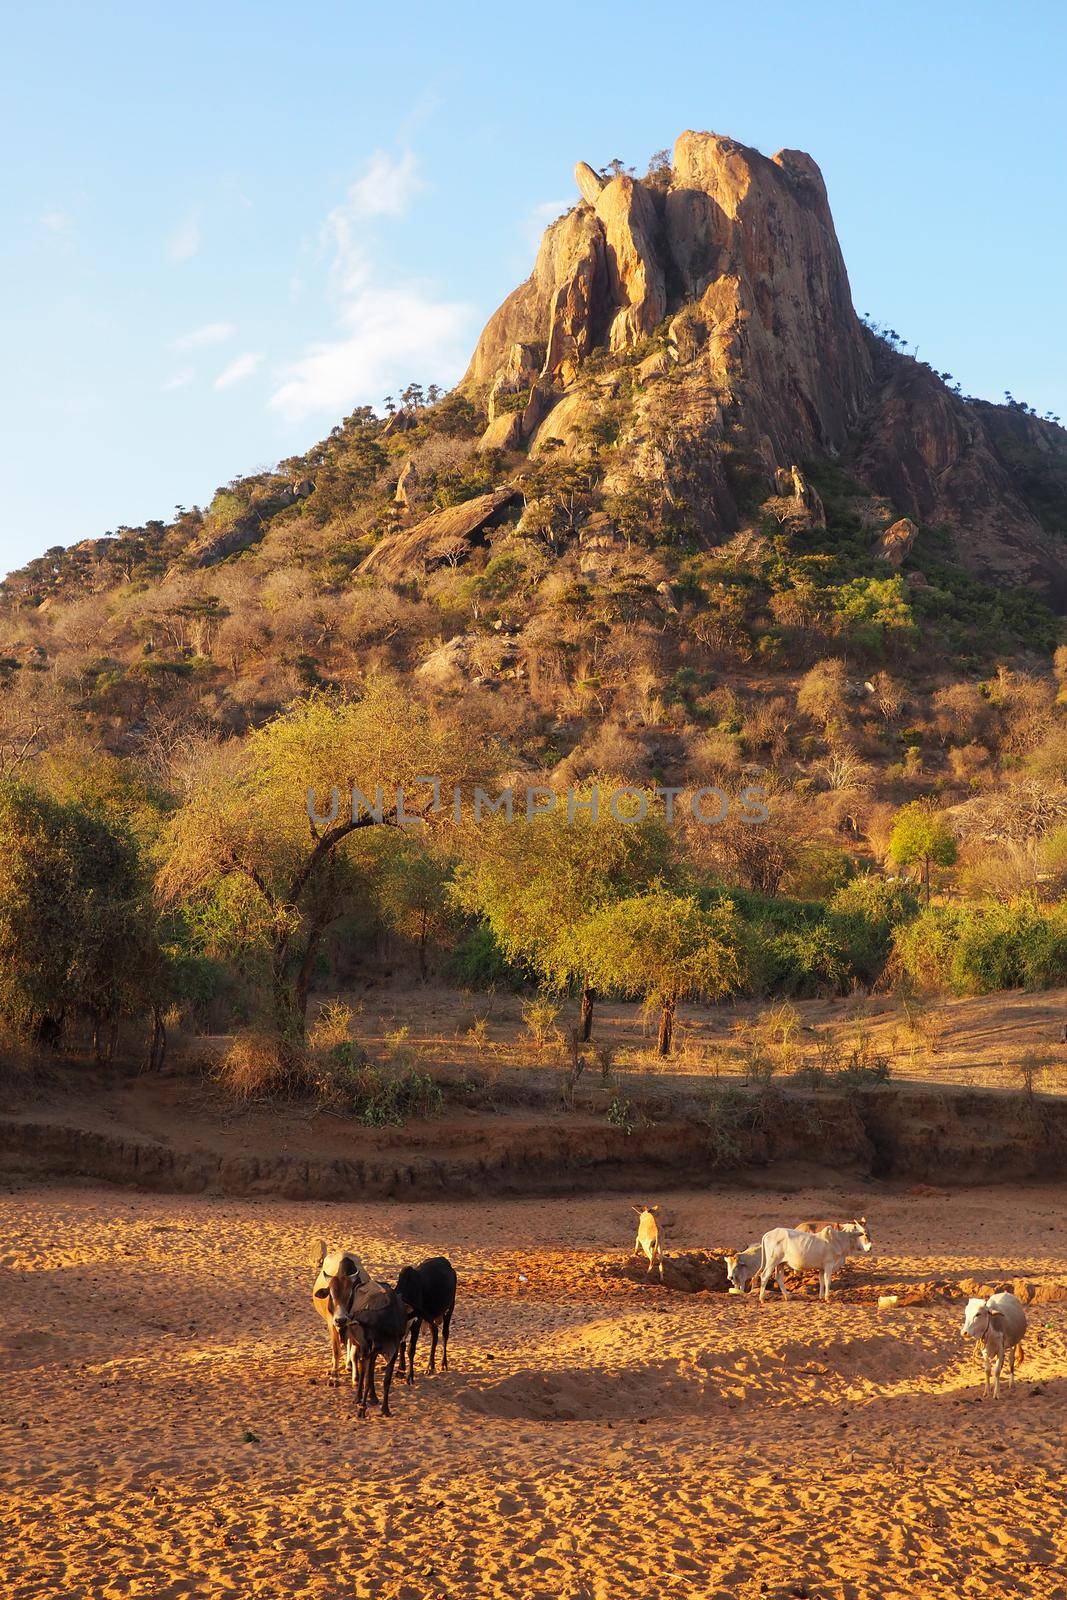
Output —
<point x="167" y="1429"/>
<point x="978" y="1042"/>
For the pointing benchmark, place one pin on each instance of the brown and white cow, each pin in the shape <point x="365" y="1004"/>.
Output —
<point x="340" y="1273"/>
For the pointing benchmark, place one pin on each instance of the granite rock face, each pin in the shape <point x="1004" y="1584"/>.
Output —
<point x="724" y="281"/>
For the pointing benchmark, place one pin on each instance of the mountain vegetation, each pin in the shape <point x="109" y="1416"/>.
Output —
<point x="688" y="524"/>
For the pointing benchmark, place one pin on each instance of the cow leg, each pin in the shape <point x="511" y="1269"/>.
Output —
<point x="764" y="1280"/>
<point x="388" y="1384"/>
<point x="444" y="1337"/>
<point x="335" y="1345"/>
<point x="1011" y="1368"/>
<point x="433" y="1347"/>
<point x="780" y="1280"/>
<point x="368" y="1380"/>
<point x="826" y="1277"/>
<point x="985" y="1369"/>
<point x="413" y="1339"/>
<point x="998" y="1362"/>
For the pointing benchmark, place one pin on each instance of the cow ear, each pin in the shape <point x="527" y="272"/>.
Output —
<point x="653" y="1208"/>
<point x="637" y="1209"/>
<point x="320" y="1294"/>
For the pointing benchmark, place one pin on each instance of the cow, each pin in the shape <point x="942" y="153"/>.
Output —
<point x="742" y="1268"/>
<point x="374" y="1325"/>
<point x="429" y="1294"/>
<point x="999" y="1325"/>
<point x="823" y="1253"/>
<point x="648" y="1237"/>
<point x="339" y="1272"/>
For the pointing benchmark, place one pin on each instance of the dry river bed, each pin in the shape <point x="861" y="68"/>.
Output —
<point x="167" y="1430"/>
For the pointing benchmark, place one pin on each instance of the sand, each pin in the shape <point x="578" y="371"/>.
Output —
<point x="167" y="1429"/>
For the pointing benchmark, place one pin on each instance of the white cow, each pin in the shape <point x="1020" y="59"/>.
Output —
<point x="647" y="1240"/>
<point x="823" y="1252"/>
<point x="999" y="1325"/>
<point x="742" y="1268"/>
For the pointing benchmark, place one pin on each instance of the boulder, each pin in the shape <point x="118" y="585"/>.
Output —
<point x="445" y="537"/>
<point x="808" y="498"/>
<point x="406" y="484"/>
<point x="589" y="182"/>
<point x="896" y="542"/>
<point x="503" y="433"/>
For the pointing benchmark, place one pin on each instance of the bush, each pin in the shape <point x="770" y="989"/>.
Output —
<point x="863" y="916"/>
<point x="979" y="949"/>
<point x="252" y="1068"/>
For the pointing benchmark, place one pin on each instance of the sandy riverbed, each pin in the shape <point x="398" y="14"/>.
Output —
<point x="167" y="1430"/>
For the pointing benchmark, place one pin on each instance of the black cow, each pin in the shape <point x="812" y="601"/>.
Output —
<point x="375" y="1326"/>
<point x="429" y="1291"/>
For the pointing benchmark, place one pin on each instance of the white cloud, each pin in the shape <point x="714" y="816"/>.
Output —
<point x="210" y="333"/>
<point x="178" y="380"/>
<point x="243" y="367"/>
<point x="388" y="332"/>
<point x="391" y="334"/>
<point x="184" y="242"/>
<point x="386" y="189"/>
<point x="57" y="221"/>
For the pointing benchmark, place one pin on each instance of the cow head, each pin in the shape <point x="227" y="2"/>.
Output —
<point x="976" y="1319"/>
<point x="858" y="1229"/>
<point x="339" y="1278"/>
<point x="739" y="1273"/>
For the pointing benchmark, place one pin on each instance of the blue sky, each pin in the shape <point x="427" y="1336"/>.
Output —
<point x="227" y="224"/>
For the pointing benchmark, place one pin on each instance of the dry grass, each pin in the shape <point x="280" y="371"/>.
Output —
<point x="977" y="1043"/>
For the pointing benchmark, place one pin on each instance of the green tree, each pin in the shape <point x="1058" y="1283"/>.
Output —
<point x="248" y="816"/>
<point x="662" y="947"/>
<point x="412" y="878"/>
<point x="922" y="837"/>
<point x="535" y="882"/>
<point x="78" y="928"/>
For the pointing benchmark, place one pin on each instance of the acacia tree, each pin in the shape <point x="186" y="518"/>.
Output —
<point x="922" y="836"/>
<point x="536" y="881"/>
<point x="663" y="947"/>
<point x="248" y="817"/>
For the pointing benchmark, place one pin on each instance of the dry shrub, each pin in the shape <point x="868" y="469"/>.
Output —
<point x="252" y="1067"/>
<point x="540" y="1016"/>
<point x="960" y="712"/>
<point x="968" y="761"/>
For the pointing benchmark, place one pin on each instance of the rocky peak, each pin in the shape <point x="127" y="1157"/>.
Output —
<point x="727" y="282"/>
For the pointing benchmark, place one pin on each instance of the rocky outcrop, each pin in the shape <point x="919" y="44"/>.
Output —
<point x="446" y="536"/>
<point x="406" y="484"/>
<point x="636" y="281"/>
<point x="589" y="181"/>
<point x="763" y="363"/>
<point x="896" y="542"/>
